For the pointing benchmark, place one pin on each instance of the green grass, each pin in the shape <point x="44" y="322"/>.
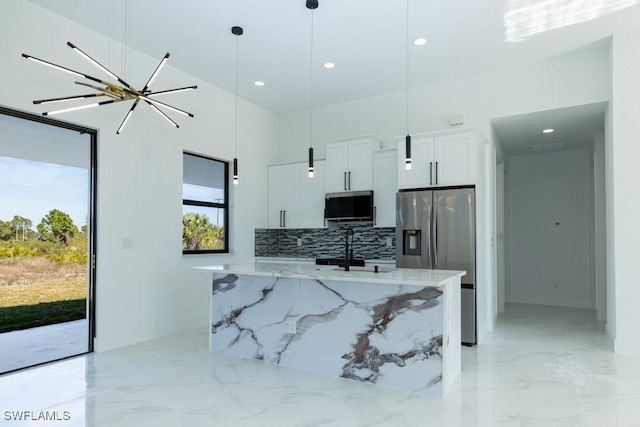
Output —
<point x="38" y="292"/>
<point x="44" y="313"/>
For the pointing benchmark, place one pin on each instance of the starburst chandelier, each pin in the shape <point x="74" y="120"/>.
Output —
<point x="115" y="92"/>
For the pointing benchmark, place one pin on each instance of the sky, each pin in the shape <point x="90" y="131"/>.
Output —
<point x="31" y="189"/>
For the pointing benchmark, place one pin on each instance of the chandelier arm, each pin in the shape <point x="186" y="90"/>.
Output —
<point x="81" y="107"/>
<point x="126" y="118"/>
<point x="98" y="65"/>
<point x="162" y="113"/>
<point x="67" y="98"/>
<point x="61" y="68"/>
<point x="156" y="72"/>
<point x="162" y="104"/>
<point x="164" y="92"/>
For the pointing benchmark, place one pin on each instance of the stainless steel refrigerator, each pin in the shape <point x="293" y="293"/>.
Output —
<point x="435" y="229"/>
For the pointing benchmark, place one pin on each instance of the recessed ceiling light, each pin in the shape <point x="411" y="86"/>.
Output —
<point x="328" y="65"/>
<point x="420" y="42"/>
<point x="258" y="83"/>
<point x="548" y="130"/>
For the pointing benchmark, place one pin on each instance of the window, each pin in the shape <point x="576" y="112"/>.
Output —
<point x="205" y="205"/>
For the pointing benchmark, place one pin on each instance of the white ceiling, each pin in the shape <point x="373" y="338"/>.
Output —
<point x="366" y="39"/>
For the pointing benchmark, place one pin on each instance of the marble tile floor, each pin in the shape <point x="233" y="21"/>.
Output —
<point x="43" y="344"/>
<point x="542" y="366"/>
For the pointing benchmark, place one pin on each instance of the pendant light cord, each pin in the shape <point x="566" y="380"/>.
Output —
<point x="311" y="89"/>
<point x="124" y="41"/>
<point x="235" y="149"/>
<point x="407" y="70"/>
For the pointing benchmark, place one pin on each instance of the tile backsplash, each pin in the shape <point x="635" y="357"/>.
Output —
<point x="368" y="242"/>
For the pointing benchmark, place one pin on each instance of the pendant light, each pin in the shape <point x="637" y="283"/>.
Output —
<point x="407" y="140"/>
<point x="237" y="31"/>
<point x="311" y="5"/>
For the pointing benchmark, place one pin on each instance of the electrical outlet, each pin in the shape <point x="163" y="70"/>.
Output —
<point x="299" y="242"/>
<point x="556" y="223"/>
<point x="556" y="286"/>
<point x="127" y="243"/>
<point x="389" y="241"/>
<point x="292" y="326"/>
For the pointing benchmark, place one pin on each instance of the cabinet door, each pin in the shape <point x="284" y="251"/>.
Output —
<point x="456" y="159"/>
<point x="422" y="172"/>
<point x="312" y="195"/>
<point x="291" y="196"/>
<point x="276" y="174"/>
<point x="337" y="166"/>
<point x="360" y="170"/>
<point x="385" y="187"/>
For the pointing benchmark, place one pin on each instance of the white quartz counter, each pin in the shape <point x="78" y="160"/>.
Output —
<point x="388" y="275"/>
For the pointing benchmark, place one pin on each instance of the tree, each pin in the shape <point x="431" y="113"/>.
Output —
<point x="199" y="234"/>
<point x="57" y="226"/>
<point x="6" y="231"/>
<point x="21" y="226"/>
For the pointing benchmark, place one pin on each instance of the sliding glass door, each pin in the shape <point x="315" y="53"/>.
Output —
<point x="47" y="198"/>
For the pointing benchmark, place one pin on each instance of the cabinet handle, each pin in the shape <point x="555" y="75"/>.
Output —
<point x="436" y="173"/>
<point x="375" y="214"/>
<point x="280" y="218"/>
<point x="430" y="173"/>
<point x="349" y="180"/>
<point x="284" y="219"/>
<point x="345" y="181"/>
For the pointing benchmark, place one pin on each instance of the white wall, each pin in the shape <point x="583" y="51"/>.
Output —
<point x="600" y="223"/>
<point x="576" y="79"/>
<point x="623" y="228"/>
<point x="150" y="290"/>
<point x="550" y="265"/>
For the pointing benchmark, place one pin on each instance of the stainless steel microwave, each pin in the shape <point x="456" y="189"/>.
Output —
<point x="349" y="206"/>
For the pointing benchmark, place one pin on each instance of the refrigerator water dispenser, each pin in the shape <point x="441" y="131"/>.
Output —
<point x="411" y="242"/>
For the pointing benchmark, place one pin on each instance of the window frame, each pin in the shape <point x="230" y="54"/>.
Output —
<point x="224" y="206"/>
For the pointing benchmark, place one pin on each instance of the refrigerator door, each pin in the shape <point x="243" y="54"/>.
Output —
<point x="413" y="229"/>
<point x="468" y="317"/>
<point x="454" y="232"/>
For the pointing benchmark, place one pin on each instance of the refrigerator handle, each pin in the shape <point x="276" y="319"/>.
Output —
<point x="434" y="234"/>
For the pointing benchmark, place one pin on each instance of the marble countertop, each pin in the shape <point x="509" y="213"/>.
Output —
<point x="388" y="275"/>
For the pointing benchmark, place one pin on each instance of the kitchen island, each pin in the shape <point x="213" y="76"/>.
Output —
<point x="398" y="328"/>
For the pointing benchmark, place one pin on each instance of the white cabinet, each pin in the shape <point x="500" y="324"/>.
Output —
<point x="283" y="196"/>
<point x="438" y="161"/>
<point x="350" y="165"/>
<point x="295" y="200"/>
<point x="385" y="187"/>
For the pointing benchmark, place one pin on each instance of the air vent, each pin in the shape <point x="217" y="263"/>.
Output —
<point x="545" y="148"/>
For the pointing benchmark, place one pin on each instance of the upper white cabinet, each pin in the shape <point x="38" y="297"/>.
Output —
<point x="284" y="199"/>
<point x="295" y="200"/>
<point x="350" y="165"/>
<point x="438" y="161"/>
<point x="385" y="187"/>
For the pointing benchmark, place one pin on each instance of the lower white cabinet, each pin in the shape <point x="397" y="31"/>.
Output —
<point x="295" y="200"/>
<point x="385" y="187"/>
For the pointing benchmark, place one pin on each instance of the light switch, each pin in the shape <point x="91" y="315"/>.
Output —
<point x="127" y="243"/>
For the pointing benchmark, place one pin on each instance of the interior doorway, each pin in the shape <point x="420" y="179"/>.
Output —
<point x="47" y="239"/>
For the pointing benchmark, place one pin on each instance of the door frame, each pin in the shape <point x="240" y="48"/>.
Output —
<point x="92" y="221"/>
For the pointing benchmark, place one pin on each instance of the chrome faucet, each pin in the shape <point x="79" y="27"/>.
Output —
<point x="348" y="248"/>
